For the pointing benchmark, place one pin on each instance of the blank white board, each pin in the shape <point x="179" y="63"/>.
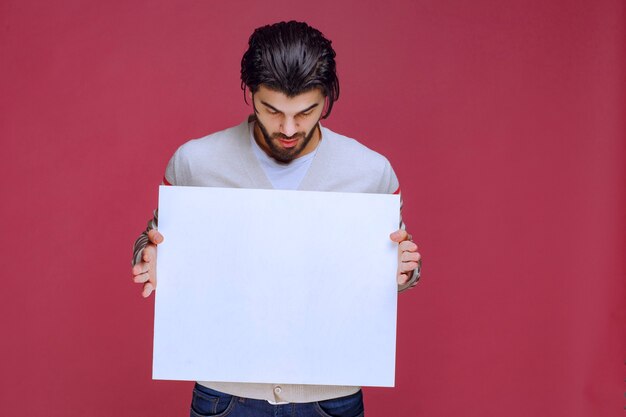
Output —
<point x="276" y="286"/>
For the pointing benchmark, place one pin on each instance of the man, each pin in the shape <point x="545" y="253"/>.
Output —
<point x="288" y="74"/>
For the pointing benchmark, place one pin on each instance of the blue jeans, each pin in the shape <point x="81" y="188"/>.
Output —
<point x="207" y="402"/>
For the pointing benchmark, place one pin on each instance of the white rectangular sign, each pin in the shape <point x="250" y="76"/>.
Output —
<point x="276" y="286"/>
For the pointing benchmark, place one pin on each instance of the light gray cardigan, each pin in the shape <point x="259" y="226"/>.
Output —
<point x="226" y="159"/>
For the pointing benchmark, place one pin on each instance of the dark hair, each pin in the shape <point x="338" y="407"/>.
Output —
<point x="290" y="57"/>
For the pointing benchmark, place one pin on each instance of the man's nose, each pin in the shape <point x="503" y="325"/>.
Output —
<point x="288" y="127"/>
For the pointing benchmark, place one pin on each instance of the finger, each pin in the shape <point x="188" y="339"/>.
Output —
<point x="403" y="279"/>
<point x="399" y="235"/>
<point x="147" y="289"/>
<point x="410" y="256"/>
<point x="148" y="253"/>
<point x="140" y="268"/>
<point x="409" y="246"/>
<point x="407" y="266"/>
<point x="141" y="278"/>
<point x="155" y="237"/>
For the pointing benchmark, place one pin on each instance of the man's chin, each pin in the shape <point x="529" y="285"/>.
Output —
<point x="285" y="154"/>
<point x="284" y="157"/>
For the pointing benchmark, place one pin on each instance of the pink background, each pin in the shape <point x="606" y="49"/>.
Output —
<point x="504" y="121"/>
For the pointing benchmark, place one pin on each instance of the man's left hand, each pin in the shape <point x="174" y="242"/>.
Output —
<point x="408" y="257"/>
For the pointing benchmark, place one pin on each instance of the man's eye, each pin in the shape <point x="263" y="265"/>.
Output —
<point x="306" y="113"/>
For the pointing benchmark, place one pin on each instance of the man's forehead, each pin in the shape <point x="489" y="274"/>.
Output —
<point x="277" y="98"/>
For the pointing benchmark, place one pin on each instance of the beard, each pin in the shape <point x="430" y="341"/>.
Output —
<point x="279" y="153"/>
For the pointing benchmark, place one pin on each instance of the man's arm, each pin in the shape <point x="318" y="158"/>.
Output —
<point x="143" y="239"/>
<point x="409" y="260"/>
<point x="144" y="249"/>
<point x="145" y="256"/>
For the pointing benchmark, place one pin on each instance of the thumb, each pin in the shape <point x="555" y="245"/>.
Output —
<point x="399" y="236"/>
<point x="155" y="237"/>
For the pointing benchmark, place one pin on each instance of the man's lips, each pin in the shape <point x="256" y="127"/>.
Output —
<point x="288" y="143"/>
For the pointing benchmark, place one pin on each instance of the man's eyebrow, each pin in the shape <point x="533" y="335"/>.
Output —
<point x="312" y="106"/>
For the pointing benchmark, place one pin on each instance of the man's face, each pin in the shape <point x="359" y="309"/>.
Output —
<point x="287" y="127"/>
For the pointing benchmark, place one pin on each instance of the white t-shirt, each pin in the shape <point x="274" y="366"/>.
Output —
<point x="283" y="176"/>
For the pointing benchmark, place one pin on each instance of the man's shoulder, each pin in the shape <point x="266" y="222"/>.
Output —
<point x="208" y="161"/>
<point x="344" y="147"/>
<point x="346" y="164"/>
<point x="223" y="140"/>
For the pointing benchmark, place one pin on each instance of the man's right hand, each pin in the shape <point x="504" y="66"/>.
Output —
<point x="144" y="272"/>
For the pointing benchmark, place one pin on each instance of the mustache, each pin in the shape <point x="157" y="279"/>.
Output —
<point x="294" y="136"/>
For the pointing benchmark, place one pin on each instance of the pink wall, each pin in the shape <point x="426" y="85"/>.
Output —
<point x="504" y="121"/>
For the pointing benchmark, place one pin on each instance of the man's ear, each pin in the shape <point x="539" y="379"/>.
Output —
<point x="248" y="96"/>
<point x="325" y="108"/>
<point x="251" y="101"/>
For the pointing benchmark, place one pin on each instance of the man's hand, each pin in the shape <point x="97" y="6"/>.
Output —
<point x="144" y="272"/>
<point x="408" y="257"/>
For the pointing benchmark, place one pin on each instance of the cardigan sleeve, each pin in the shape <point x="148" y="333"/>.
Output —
<point x="142" y="241"/>
<point x="391" y="184"/>
<point x="417" y="271"/>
